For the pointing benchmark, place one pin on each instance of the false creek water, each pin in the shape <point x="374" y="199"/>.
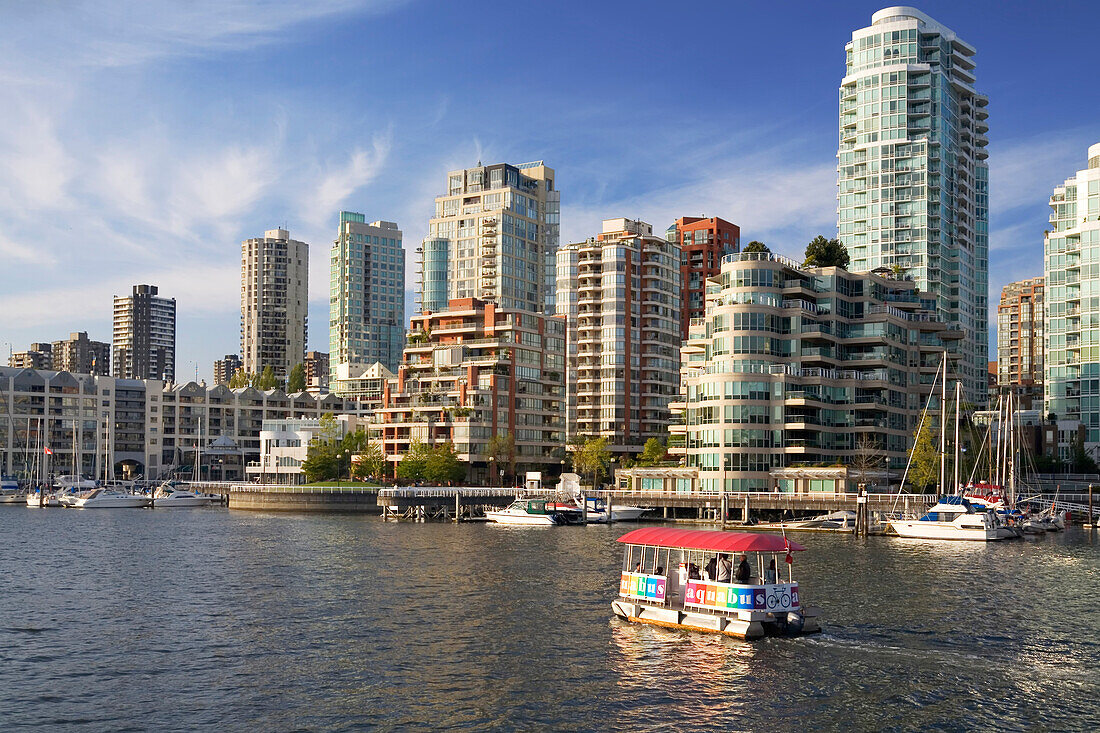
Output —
<point x="226" y="620"/>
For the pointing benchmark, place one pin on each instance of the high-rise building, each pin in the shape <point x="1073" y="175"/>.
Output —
<point x="493" y="237"/>
<point x="38" y="356"/>
<point x="79" y="355"/>
<point x="317" y="369"/>
<point x="793" y="365"/>
<point x="623" y="314"/>
<point x="473" y="371"/>
<point x="1020" y="341"/>
<point x="274" y="302"/>
<point x="1071" y="249"/>
<point x="703" y="243"/>
<point x="225" y="368"/>
<point x="913" y="185"/>
<point x="144" y="337"/>
<point x="366" y="292"/>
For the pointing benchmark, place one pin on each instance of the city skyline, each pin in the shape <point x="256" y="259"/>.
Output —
<point x="215" y="165"/>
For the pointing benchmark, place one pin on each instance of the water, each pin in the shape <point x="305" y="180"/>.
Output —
<point x="210" y="619"/>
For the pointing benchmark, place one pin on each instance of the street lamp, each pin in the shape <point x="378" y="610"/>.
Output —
<point x="347" y="457"/>
<point x="492" y="472"/>
<point x="502" y="477"/>
<point x="612" y="476"/>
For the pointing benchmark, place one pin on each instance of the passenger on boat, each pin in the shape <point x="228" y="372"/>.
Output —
<point x="682" y="575"/>
<point x="660" y="570"/>
<point x="770" y="573"/>
<point x="743" y="571"/>
<point x="693" y="572"/>
<point x="725" y="569"/>
<point x="710" y="572"/>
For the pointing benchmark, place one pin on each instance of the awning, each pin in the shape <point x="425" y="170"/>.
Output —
<point x="701" y="539"/>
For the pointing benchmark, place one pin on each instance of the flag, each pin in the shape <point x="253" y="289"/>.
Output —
<point x="787" y="547"/>
<point x="49" y="452"/>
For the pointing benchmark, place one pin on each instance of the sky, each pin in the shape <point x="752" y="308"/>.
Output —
<point x="141" y="141"/>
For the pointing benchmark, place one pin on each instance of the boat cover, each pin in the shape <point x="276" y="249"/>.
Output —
<point x="702" y="539"/>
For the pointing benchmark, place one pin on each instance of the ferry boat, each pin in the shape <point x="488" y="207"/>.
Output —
<point x="660" y="584"/>
<point x="952" y="518"/>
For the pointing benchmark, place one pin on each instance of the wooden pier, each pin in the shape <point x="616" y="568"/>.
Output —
<point x="442" y="502"/>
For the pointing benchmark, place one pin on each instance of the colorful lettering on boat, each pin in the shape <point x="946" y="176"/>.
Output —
<point x="640" y="585"/>
<point x="783" y="597"/>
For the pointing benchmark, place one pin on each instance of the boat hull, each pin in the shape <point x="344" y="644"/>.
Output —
<point x="113" y="502"/>
<point x="536" y="520"/>
<point x="756" y="626"/>
<point x="917" y="529"/>
<point x="13" y="499"/>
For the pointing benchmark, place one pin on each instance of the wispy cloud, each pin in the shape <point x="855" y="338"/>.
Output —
<point x="335" y="183"/>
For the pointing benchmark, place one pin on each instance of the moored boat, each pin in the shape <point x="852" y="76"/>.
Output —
<point x="107" y="499"/>
<point x="533" y="512"/>
<point x="952" y="518"/>
<point x="660" y="584"/>
<point x="10" y="492"/>
<point x="168" y="496"/>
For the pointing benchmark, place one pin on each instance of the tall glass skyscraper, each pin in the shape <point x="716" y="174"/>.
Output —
<point x="913" y="185"/>
<point x="366" y="293"/>
<point x="1071" y="264"/>
<point x="494" y="236"/>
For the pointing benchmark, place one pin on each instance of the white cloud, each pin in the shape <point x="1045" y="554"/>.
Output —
<point x="334" y="184"/>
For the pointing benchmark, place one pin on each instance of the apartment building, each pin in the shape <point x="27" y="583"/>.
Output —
<point x="620" y="294"/>
<point x="913" y="184"/>
<point x="1020" y="341"/>
<point x="366" y="292"/>
<point x="1071" y="329"/>
<point x="226" y="367"/>
<point x="274" y="302"/>
<point x="38" y="356"/>
<point x="796" y="366"/>
<point x="472" y="371"/>
<point x="80" y="355"/>
<point x="144" y="335"/>
<point x="703" y="243"/>
<point x="493" y="237"/>
<point x="316" y="367"/>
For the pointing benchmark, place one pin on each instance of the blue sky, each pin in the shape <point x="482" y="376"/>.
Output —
<point x="142" y="141"/>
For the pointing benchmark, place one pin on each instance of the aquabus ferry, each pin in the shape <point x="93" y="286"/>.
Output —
<point x="720" y="582"/>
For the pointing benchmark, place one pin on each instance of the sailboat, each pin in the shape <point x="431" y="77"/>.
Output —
<point x="953" y="517"/>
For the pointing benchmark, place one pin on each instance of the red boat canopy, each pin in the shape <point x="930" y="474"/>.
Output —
<point x="701" y="539"/>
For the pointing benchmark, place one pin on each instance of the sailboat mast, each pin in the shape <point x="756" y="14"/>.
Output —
<point x="943" y="421"/>
<point x="958" y="419"/>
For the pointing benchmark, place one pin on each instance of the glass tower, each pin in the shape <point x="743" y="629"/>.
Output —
<point x="366" y="293"/>
<point x="913" y="185"/>
<point x="1071" y="265"/>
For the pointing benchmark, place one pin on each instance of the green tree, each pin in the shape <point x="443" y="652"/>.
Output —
<point x="371" y="462"/>
<point x="652" y="453"/>
<point x="267" y="379"/>
<point x="411" y="466"/>
<point x="592" y="459"/>
<point x="325" y="455"/>
<point x="502" y="449"/>
<point x="1080" y="460"/>
<point x="240" y="378"/>
<point x="296" y="382"/>
<point x="822" y="252"/>
<point x="442" y="465"/>
<point x="924" y="456"/>
<point x="755" y="246"/>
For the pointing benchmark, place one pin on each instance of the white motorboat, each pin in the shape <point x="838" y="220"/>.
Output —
<point x="530" y="512"/>
<point x="10" y="492"/>
<point x="106" y="499"/>
<point x="167" y="497"/>
<point x="78" y="483"/>
<point x="952" y="518"/>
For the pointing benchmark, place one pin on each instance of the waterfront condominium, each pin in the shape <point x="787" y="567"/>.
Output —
<point x="1020" y="341"/>
<point x="703" y="243"/>
<point x="366" y="292"/>
<point x="493" y="237"/>
<point x="1071" y="253"/>
<point x="144" y="336"/>
<point x="472" y="371"/>
<point x="38" y="356"/>
<point x="807" y="366"/>
<point x="274" y="300"/>
<point x="620" y="294"/>
<point x="912" y="178"/>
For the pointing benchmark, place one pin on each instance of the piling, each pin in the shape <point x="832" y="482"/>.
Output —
<point x="724" y="509"/>
<point x="584" y="508"/>
<point x="458" y="506"/>
<point x="608" y="508"/>
<point x="1090" y="522"/>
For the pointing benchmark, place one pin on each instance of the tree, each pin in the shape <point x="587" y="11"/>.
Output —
<point x="868" y="459"/>
<point x="442" y="465"/>
<point x="755" y="246"/>
<point x="371" y="463"/>
<point x="924" y="456"/>
<point x="296" y="382"/>
<point x="822" y="252"/>
<point x="502" y="449"/>
<point x="592" y="458"/>
<point x="241" y="378"/>
<point x="1080" y="460"/>
<point x="652" y="453"/>
<point x="267" y="379"/>
<point x="325" y="456"/>
<point x="411" y="467"/>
